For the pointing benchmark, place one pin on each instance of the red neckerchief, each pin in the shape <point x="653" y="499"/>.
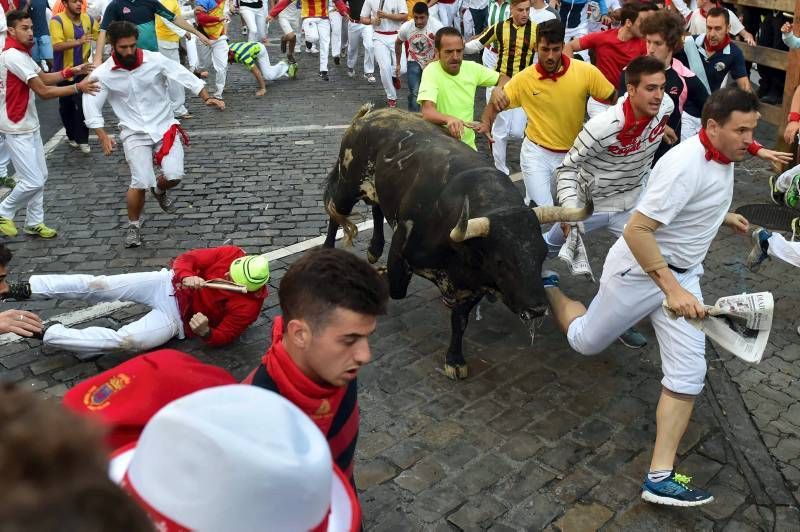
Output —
<point x="12" y="43"/>
<point x="319" y="402"/>
<point x="544" y="74"/>
<point x="168" y="140"/>
<point x="119" y="66"/>
<point x="711" y="49"/>
<point x="712" y="153"/>
<point x="632" y="128"/>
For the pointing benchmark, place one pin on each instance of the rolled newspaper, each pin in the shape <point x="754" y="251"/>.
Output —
<point x="739" y="324"/>
<point x="221" y="284"/>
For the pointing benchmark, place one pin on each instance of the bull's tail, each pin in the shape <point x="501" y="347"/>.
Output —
<point x="366" y="108"/>
<point x="349" y="229"/>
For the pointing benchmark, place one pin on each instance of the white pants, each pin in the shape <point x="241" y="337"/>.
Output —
<point x="27" y="154"/>
<point x="335" y="19"/>
<point x="627" y="295"/>
<point x="614" y="222"/>
<point x="385" y="57"/>
<point x="690" y="126"/>
<point x="594" y="107"/>
<point x="538" y="167"/>
<point x="268" y="71"/>
<point x="153" y="289"/>
<point x="191" y="53"/>
<point x="216" y="55"/>
<point x="446" y="13"/>
<point x="507" y="124"/>
<point x="289" y="19"/>
<point x="256" y="22"/>
<point x="139" y="149"/>
<point x="576" y="33"/>
<point x="177" y="94"/>
<point x="781" y="249"/>
<point x="358" y="34"/>
<point x="318" y="30"/>
<point x="5" y="157"/>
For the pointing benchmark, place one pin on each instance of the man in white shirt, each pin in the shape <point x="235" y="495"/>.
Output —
<point x="418" y="35"/>
<point x="21" y="78"/>
<point x="5" y="157"/>
<point x="386" y="17"/>
<point x="359" y="34"/>
<point x="660" y="257"/>
<point x="697" y="22"/>
<point x="146" y="121"/>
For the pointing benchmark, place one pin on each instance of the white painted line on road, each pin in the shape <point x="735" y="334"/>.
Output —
<point x="101" y="310"/>
<point x="267" y="130"/>
<point x="48" y="148"/>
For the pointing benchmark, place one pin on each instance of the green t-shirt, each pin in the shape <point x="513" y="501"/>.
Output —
<point x="455" y="95"/>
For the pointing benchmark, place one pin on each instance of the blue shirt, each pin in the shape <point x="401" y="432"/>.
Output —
<point x="140" y="12"/>
<point x="38" y="11"/>
<point x="728" y="60"/>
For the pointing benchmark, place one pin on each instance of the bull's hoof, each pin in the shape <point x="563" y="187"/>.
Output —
<point x="374" y="252"/>
<point x="372" y="258"/>
<point x="456" y="373"/>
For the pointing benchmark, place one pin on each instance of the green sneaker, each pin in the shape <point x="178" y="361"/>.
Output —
<point x="792" y="196"/>
<point x="40" y="230"/>
<point x="7" y="181"/>
<point x="292" y="70"/>
<point x="775" y="195"/>
<point x="7" y="226"/>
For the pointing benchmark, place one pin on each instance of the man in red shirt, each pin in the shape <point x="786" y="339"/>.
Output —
<point x="615" y="48"/>
<point x="180" y="302"/>
<point x="330" y="301"/>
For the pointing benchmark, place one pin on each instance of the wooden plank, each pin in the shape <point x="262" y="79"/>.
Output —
<point x="764" y="56"/>
<point x="778" y="5"/>
<point x="772" y="114"/>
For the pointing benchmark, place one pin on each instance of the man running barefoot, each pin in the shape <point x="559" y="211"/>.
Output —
<point x="134" y="81"/>
<point x="660" y="256"/>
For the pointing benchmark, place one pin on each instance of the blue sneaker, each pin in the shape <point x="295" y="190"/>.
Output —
<point x="674" y="491"/>
<point x="633" y="339"/>
<point x="758" y="253"/>
<point x="550" y="279"/>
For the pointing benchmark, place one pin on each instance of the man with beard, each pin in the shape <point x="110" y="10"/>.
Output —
<point x="660" y="256"/>
<point x="150" y="134"/>
<point x="555" y="83"/>
<point x="447" y="89"/>
<point x="21" y="78"/>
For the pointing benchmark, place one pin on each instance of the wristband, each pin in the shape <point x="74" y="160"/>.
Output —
<point x="77" y="90"/>
<point x="67" y="73"/>
<point x="753" y="148"/>
<point x="794" y="117"/>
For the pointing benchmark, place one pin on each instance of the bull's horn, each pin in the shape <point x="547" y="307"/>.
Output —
<point x="548" y="215"/>
<point x="469" y="227"/>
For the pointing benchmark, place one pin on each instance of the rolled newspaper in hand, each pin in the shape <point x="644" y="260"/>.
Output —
<point x="221" y="284"/>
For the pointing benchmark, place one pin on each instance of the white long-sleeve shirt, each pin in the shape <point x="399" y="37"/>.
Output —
<point x="138" y="97"/>
<point x="613" y="174"/>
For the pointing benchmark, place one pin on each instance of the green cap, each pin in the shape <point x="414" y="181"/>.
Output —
<point x="251" y="271"/>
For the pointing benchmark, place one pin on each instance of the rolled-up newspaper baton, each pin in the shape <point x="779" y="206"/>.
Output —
<point x="739" y="324"/>
<point x="221" y="284"/>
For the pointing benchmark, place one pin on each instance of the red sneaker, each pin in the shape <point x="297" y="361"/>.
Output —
<point x="392" y="103"/>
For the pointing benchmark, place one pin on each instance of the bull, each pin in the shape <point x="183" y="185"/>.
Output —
<point x="457" y="221"/>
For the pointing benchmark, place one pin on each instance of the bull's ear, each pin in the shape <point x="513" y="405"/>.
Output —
<point x="467" y="227"/>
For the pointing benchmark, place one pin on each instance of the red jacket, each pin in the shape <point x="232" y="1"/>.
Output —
<point x="229" y="313"/>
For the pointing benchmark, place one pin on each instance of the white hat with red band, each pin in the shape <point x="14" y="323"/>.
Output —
<point x="236" y="458"/>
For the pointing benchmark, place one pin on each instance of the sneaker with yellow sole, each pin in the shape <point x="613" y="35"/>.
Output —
<point x="40" y="230"/>
<point x="7" y="226"/>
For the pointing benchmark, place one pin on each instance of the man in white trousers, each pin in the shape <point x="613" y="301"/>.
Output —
<point x="659" y="260"/>
<point x="254" y="57"/>
<point x="386" y="17"/>
<point x="180" y="303"/>
<point x="134" y="82"/>
<point x="445" y="11"/>
<point x="212" y="19"/>
<point x="21" y="80"/>
<point x="337" y="20"/>
<point x="169" y="36"/>
<point x="254" y="15"/>
<point x="359" y="34"/>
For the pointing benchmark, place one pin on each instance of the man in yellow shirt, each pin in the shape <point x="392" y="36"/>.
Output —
<point x="169" y="36"/>
<point x="72" y="32"/>
<point x="553" y="93"/>
<point x="447" y="90"/>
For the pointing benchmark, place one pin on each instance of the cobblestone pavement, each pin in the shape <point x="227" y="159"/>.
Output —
<point x="537" y="437"/>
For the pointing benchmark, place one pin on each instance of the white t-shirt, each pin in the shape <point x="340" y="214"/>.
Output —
<point x="697" y="23"/>
<point x="371" y="8"/>
<point x="541" y="15"/>
<point x="690" y="197"/>
<point x="420" y="41"/>
<point x="18" y="103"/>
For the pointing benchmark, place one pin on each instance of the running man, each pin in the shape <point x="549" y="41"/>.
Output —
<point x="386" y="17"/>
<point x="418" y="36"/>
<point x="359" y="34"/>
<point x="660" y="256"/>
<point x="249" y="53"/>
<point x="149" y="132"/>
<point x="212" y="19"/>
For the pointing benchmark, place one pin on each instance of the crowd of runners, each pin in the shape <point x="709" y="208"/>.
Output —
<point x="670" y="109"/>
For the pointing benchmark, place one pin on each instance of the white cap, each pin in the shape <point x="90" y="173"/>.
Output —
<point x="236" y="458"/>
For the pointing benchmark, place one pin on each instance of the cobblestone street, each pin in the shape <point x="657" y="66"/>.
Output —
<point x="538" y="437"/>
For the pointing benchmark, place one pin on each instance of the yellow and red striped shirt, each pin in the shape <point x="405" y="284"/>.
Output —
<point x="310" y="8"/>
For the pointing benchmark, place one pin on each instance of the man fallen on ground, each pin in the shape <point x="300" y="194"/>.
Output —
<point x="330" y="301"/>
<point x="180" y="303"/>
<point x="254" y="57"/>
<point x="20" y="322"/>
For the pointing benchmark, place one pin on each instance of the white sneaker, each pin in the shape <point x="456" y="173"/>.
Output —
<point x="85" y="148"/>
<point x="73" y="144"/>
<point x="370" y="78"/>
<point x="351" y="73"/>
<point x="314" y="50"/>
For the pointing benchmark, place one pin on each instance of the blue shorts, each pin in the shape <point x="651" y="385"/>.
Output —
<point x="42" y="49"/>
